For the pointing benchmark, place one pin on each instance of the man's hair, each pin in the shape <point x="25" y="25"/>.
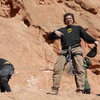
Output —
<point x="68" y="14"/>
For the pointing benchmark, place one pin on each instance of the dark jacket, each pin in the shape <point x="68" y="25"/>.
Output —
<point x="6" y="68"/>
<point x="2" y="62"/>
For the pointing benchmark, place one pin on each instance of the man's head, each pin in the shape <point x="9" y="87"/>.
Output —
<point x="69" y="18"/>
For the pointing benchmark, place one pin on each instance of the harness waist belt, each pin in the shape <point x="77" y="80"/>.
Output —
<point x="73" y="46"/>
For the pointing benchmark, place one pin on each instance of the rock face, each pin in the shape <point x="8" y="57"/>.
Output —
<point x="24" y="27"/>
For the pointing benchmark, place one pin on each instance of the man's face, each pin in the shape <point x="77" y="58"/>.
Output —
<point x="69" y="20"/>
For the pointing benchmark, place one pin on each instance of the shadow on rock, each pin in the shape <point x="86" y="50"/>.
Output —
<point x="97" y="94"/>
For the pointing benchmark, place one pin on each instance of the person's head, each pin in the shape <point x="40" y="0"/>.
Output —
<point x="69" y="18"/>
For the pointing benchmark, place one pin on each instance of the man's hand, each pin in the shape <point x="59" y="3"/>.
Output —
<point x="58" y="33"/>
<point x="96" y="43"/>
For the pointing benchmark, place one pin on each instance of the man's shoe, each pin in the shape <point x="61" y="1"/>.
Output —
<point x="80" y="91"/>
<point x="53" y="92"/>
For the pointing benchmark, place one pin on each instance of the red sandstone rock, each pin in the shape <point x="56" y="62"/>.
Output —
<point x="23" y="41"/>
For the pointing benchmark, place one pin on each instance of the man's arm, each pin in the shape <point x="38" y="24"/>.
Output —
<point x="55" y="35"/>
<point x="87" y="37"/>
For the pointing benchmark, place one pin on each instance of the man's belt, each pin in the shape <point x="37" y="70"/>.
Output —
<point x="73" y="46"/>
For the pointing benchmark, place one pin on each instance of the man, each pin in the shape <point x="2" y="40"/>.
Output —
<point x="6" y="71"/>
<point x="70" y="37"/>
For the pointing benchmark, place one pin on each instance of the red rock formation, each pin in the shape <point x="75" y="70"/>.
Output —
<point x="24" y="27"/>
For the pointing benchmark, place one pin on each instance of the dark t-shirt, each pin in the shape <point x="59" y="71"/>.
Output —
<point x="72" y="35"/>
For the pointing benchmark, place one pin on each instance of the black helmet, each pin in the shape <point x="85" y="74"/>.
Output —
<point x="92" y="53"/>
